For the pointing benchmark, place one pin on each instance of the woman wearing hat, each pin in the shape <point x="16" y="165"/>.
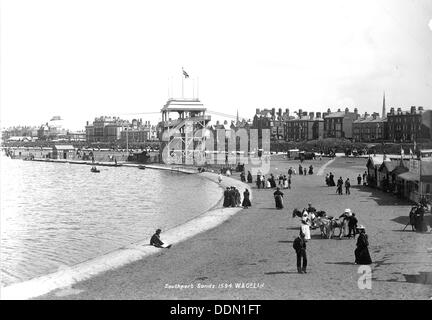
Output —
<point x="361" y="253"/>
<point x="278" y="195"/>
<point x="346" y="216"/>
<point x="305" y="225"/>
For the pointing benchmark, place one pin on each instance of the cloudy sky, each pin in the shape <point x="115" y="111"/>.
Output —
<point x="84" y="58"/>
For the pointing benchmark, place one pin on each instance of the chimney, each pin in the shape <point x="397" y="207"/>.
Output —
<point x="355" y="110"/>
<point x="420" y="109"/>
<point x="304" y="114"/>
<point x="225" y="122"/>
<point x="287" y="112"/>
<point x="217" y="122"/>
<point x="87" y="122"/>
<point x="280" y="113"/>
<point x="328" y="110"/>
<point x="346" y="110"/>
<point x="391" y="110"/>
<point x="311" y="115"/>
<point x="339" y="110"/>
<point x="300" y="113"/>
<point x="399" y="110"/>
<point x="318" y="115"/>
<point x="413" y="109"/>
<point x="374" y="115"/>
<point x="366" y="115"/>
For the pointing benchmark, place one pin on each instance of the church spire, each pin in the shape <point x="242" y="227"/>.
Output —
<point x="384" y="115"/>
<point x="237" y="117"/>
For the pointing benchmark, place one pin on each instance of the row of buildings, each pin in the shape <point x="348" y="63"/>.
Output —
<point x="114" y="129"/>
<point x="51" y="130"/>
<point x="406" y="178"/>
<point x="395" y="126"/>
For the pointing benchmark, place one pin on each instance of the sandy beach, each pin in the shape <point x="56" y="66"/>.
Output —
<point x="250" y="256"/>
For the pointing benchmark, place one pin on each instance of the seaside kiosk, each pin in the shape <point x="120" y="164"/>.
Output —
<point x="63" y="152"/>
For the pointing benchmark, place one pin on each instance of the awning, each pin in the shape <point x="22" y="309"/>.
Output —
<point x="409" y="176"/>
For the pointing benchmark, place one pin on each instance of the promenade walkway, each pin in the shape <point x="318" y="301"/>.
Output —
<point x="254" y="248"/>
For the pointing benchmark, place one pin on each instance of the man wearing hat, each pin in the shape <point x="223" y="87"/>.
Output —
<point x="352" y="225"/>
<point x="156" y="241"/>
<point x="299" y="246"/>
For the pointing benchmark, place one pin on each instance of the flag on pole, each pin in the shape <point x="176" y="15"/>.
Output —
<point x="402" y="152"/>
<point x="415" y="146"/>
<point x="411" y="153"/>
<point x="185" y="73"/>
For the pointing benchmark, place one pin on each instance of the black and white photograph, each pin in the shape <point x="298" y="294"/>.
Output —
<point x="216" y="150"/>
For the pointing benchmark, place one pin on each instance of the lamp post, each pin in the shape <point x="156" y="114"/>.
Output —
<point x="127" y="142"/>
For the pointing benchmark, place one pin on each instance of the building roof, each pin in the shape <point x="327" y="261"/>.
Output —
<point x="370" y="119"/>
<point x="399" y="169"/>
<point x="64" y="147"/>
<point x="375" y="160"/>
<point x="183" y="105"/>
<point x="389" y="165"/>
<point x="410" y="176"/>
<point x="339" y="114"/>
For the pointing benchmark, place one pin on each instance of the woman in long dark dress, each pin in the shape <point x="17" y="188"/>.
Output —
<point x="258" y="181"/>
<point x="227" y="198"/>
<point x="249" y="177"/>
<point x="246" y="201"/>
<point x="278" y="195"/>
<point x="331" y="177"/>
<point x="272" y="181"/>
<point x="361" y="253"/>
<point x="242" y="176"/>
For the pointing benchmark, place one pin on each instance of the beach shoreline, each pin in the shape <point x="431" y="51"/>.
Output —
<point x="68" y="276"/>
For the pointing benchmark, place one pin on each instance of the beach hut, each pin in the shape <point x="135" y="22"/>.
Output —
<point x="372" y="167"/>
<point x="385" y="178"/>
<point x="417" y="181"/>
<point x="396" y="182"/>
<point x="293" y="153"/>
<point x="63" y="152"/>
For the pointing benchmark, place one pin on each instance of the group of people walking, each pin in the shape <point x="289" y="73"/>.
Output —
<point x="304" y="171"/>
<point x="232" y="198"/>
<point x="329" y="179"/>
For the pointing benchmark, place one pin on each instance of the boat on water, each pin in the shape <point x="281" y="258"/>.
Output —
<point x="141" y="167"/>
<point x="95" y="170"/>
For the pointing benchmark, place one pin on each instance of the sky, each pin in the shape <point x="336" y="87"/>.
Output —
<point x="80" y="59"/>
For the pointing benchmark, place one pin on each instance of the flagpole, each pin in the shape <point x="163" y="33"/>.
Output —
<point x="182" y="84"/>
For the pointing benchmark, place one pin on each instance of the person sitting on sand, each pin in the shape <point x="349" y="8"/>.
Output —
<point x="156" y="241"/>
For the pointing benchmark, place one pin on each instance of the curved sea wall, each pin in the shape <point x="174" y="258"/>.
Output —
<point x="70" y="275"/>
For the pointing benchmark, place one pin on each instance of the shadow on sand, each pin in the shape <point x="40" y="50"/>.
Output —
<point x="382" y="198"/>
<point x="342" y="263"/>
<point x="280" y="272"/>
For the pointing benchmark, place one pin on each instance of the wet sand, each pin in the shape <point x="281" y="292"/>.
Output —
<point x="254" y="249"/>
